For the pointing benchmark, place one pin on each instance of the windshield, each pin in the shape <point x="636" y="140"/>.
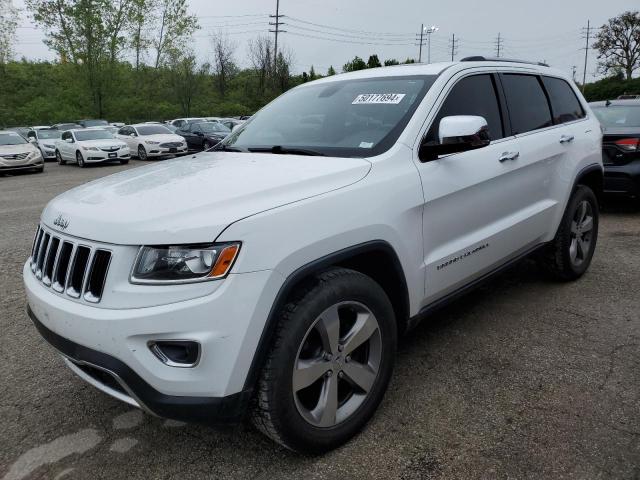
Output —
<point x="351" y="118"/>
<point x="618" y="115"/>
<point x="213" y="127"/>
<point x="44" y="134"/>
<point x="152" y="130"/>
<point x="11" y="139"/>
<point x="82" y="135"/>
<point x="95" y="123"/>
<point x="67" y="126"/>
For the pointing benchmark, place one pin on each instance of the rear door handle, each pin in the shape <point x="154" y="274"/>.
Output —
<point x="509" y="156"/>
<point x="566" y="138"/>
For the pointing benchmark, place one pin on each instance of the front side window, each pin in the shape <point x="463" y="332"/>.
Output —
<point x="66" y="135"/>
<point x="564" y="103"/>
<point x="527" y="103"/>
<point x="350" y="118"/>
<point x="475" y="95"/>
<point x="83" y="135"/>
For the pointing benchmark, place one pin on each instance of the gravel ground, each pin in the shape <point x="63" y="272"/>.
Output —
<point x="523" y="378"/>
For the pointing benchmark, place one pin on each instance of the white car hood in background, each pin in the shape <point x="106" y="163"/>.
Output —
<point x="192" y="200"/>
<point x="20" y="148"/>
<point x="102" y="143"/>
<point x="162" y="137"/>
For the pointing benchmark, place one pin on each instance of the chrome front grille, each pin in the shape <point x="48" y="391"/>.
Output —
<point x="15" y="156"/>
<point x="68" y="267"/>
<point x="171" y="145"/>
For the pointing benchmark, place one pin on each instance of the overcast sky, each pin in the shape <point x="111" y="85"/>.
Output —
<point x="536" y="30"/>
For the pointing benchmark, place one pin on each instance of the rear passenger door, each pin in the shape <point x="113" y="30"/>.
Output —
<point x="477" y="204"/>
<point x="544" y="142"/>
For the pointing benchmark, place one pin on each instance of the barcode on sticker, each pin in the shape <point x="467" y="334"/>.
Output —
<point x="370" y="98"/>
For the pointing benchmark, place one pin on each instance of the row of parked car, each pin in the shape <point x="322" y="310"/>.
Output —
<point x="95" y="141"/>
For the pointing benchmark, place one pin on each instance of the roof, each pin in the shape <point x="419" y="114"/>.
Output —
<point x="607" y="103"/>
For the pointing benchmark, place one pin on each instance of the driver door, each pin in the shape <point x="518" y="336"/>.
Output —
<point x="475" y="212"/>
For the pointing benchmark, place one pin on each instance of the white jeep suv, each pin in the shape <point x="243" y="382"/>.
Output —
<point x="274" y="274"/>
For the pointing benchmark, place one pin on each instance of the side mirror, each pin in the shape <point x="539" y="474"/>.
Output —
<point x="33" y="140"/>
<point x="68" y="140"/>
<point x="456" y="134"/>
<point x="132" y="135"/>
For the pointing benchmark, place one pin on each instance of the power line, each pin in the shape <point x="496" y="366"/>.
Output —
<point x="346" y="35"/>
<point x="330" y="27"/>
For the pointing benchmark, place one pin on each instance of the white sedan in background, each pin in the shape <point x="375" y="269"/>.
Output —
<point x="148" y="140"/>
<point x="85" y="146"/>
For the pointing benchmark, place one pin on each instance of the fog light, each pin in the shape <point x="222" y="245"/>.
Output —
<point x="176" y="353"/>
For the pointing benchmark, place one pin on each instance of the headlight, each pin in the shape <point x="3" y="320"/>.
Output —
<point x="151" y="142"/>
<point x="49" y="146"/>
<point x="34" y="154"/>
<point x="183" y="263"/>
<point x="93" y="149"/>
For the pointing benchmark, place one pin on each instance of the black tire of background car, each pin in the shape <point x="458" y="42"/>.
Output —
<point x="59" y="158"/>
<point x="80" y="159"/>
<point x="142" y="153"/>
<point x="555" y="258"/>
<point x="273" y="410"/>
<point x="124" y="162"/>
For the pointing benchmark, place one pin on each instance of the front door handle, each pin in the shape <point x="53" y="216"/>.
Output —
<point x="509" y="156"/>
<point x="566" y="138"/>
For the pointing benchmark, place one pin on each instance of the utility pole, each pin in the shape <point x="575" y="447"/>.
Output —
<point x="454" y="45"/>
<point x="586" y="52"/>
<point x="499" y="42"/>
<point x="430" y="30"/>
<point x="573" y="73"/>
<point x="276" y="30"/>
<point x="420" y="50"/>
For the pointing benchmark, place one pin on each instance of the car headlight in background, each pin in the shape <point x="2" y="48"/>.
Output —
<point x="151" y="142"/>
<point x="183" y="263"/>
<point x="93" y="149"/>
<point x="51" y="147"/>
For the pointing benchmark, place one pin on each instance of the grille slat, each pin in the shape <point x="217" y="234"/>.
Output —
<point x="79" y="271"/>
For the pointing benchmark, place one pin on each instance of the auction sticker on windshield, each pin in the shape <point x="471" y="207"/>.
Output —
<point x="371" y="98"/>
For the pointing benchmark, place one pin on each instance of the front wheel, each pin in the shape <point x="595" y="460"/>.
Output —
<point x="206" y="145"/>
<point x="330" y="363"/>
<point x="142" y="153"/>
<point x="80" y="160"/>
<point x="569" y="255"/>
<point x="59" y="158"/>
<point x="124" y="161"/>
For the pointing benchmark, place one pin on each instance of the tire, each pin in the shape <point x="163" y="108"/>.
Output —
<point x="60" y="159"/>
<point x="285" y="411"/>
<point x="569" y="255"/>
<point x="142" y="153"/>
<point x="80" y="160"/>
<point x="39" y="170"/>
<point x="124" y="162"/>
<point x="206" y="145"/>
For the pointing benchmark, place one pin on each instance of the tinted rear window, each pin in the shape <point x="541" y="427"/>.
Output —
<point x="564" y="103"/>
<point x="527" y="103"/>
<point x="615" y="116"/>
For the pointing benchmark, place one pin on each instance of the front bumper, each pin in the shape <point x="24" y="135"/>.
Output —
<point x="6" y="165"/>
<point x="622" y="179"/>
<point x="100" y="156"/>
<point x="156" y="151"/>
<point x="119" y="380"/>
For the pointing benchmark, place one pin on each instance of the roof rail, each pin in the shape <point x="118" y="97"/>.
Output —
<point x="480" y="58"/>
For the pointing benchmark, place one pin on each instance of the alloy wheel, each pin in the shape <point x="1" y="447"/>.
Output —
<point x="337" y="364"/>
<point x="581" y="233"/>
<point x="142" y="153"/>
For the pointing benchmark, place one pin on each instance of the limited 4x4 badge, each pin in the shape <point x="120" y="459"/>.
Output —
<point x="462" y="256"/>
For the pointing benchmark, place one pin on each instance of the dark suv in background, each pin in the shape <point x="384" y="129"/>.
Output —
<point x="620" y="120"/>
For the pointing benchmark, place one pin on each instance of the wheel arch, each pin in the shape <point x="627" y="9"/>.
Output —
<point x="376" y="259"/>
<point x="591" y="176"/>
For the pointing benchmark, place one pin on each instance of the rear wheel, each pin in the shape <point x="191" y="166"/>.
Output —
<point x="206" y="145"/>
<point x="330" y="363"/>
<point x="569" y="255"/>
<point x="80" y="159"/>
<point x="59" y="158"/>
<point x="142" y="153"/>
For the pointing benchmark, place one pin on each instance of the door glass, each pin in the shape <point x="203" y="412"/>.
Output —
<point x="527" y="103"/>
<point x="564" y="103"/>
<point x="474" y="95"/>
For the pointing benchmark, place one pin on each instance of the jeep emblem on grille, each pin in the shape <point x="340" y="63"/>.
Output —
<point x="61" y="222"/>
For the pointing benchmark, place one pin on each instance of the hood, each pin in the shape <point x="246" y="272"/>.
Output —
<point x="163" y="137"/>
<point x="191" y="200"/>
<point x="11" y="149"/>
<point x="102" y="143"/>
<point x="620" y="131"/>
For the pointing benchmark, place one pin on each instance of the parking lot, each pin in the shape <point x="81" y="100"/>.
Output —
<point x="523" y="378"/>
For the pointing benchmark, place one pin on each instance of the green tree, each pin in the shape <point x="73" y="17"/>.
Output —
<point x="331" y="71"/>
<point x="356" y="64"/>
<point x="409" y="60"/>
<point x="8" y="26"/>
<point x="618" y="44"/>
<point x="391" y="61"/>
<point x="373" y="62"/>
<point x="174" y="25"/>
<point x="224" y="66"/>
<point x="312" y="74"/>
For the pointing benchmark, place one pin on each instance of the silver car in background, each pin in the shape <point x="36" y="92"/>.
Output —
<point x="18" y="154"/>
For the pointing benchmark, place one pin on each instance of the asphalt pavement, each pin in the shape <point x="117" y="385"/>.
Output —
<point x="523" y="378"/>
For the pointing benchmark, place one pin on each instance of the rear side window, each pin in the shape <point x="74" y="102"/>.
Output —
<point x="474" y="95"/>
<point x="527" y="103"/>
<point x="564" y="103"/>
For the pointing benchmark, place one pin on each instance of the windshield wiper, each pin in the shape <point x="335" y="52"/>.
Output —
<point x="279" y="149"/>
<point x="226" y="148"/>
